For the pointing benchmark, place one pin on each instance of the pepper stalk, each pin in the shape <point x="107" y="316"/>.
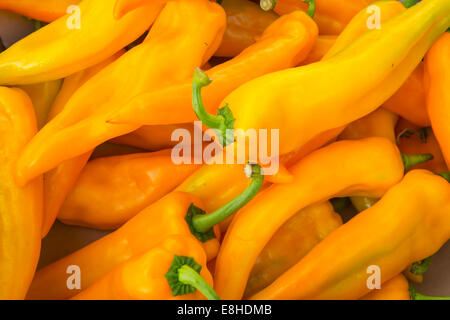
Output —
<point x="184" y="278"/>
<point x="419" y="268"/>
<point x="268" y="5"/>
<point x="201" y="224"/>
<point x="418" y="296"/>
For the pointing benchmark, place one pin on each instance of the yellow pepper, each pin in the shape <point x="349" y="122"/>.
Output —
<point x="42" y="10"/>
<point x="395" y="289"/>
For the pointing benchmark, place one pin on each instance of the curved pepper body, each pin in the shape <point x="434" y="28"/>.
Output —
<point x="142" y="277"/>
<point x="331" y="15"/>
<point x="111" y="190"/>
<point x="437" y="63"/>
<point x="143" y="232"/>
<point x="59" y="181"/>
<point x="307" y="99"/>
<point x="345" y="175"/>
<point x="284" y="44"/>
<point x="245" y="22"/>
<point x="321" y="47"/>
<point x="410" y="223"/>
<point x="394" y="289"/>
<point x="45" y="10"/>
<point x="290" y="243"/>
<point x="173" y="49"/>
<point x="20" y="207"/>
<point x="56" y="51"/>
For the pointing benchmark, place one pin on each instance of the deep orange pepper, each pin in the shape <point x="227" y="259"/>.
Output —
<point x="152" y="65"/>
<point x="345" y="175"/>
<point x="290" y="243"/>
<point x="414" y="140"/>
<point x="59" y="181"/>
<point x="45" y="10"/>
<point x="245" y="22"/>
<point x="285" y="43"/>
<point x="20" y="207"/>
<point x="437" y="62"/>
<point x="331" y="15"/>
<point x="143" y="277"/>
<point x="111" y="190"/>
<point x="395" y="289"/>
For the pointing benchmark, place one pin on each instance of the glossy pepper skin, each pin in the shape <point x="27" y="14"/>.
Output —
<point x="284" y="44"/>
<point x="43" y="95"/>
<point x="412" y="139"/>
<point x="45" y="10"/>
<point x="245" y="22"/>
<point x="321" y="47"/>
<point x="20" y="207"/>
<point x="59" y="181"/>
<point x="56" y="51"/>
<point x="331" y="15"/>
<point x="437" y="62"/>
<point x="292" y="242"/>
<point x="410" y="223"/>
<point x="142" y="277"/>
<point x="394" y="289"/>
<point x="345" y="175"/>
<point x="143" y="232"/>
<point x="83" y="121"/>
<point x="299" y="95"/>
<point x="111" y="190"/>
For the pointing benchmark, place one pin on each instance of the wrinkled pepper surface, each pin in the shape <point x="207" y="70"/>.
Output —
<point x="20" y="207"/>
<point x="410" y="223"/>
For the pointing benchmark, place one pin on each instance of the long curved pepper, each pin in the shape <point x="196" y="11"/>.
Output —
<point x="418" y="296"/>
<point x="42" y="10"/>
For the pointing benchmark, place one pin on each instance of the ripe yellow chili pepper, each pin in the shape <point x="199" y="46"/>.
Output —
<point x="61" y="48"/>
<point x="437" y="62"/>
<point x="245" y="22"/>
<point x="147" y="277"/>
<point x="321" y="47"/>
<point x="177" y="213"/>
<point x="290" y="243"/>
<point x="395" y="289"/>
<point x="306" y="99"/>
<point x="45" y="10"/>
<point x="284" y="44"/>
<point x="175" y="46"/>
<point x="410" y="223"/>
<point x="20" y="207"/>
<point x="331" y="15"/>
<point x="59" y="181"/>
<point x="42" y="95"/>
<point x="333" y="171"/>
<point x="123" y="7"/>
<point x="111" y="190"/>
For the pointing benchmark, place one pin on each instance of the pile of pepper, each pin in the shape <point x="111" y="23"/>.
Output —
<point x="92" y="103"/>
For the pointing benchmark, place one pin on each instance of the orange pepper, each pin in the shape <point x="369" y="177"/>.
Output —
<point x="410" y="223"/>
<point x="414" y="140"/>
<point x="111" y="190"/>
<point x="62" y="48"/>
<point x="295" y="238"/>
<point x="21" y="207"/>
<point x="285" y="43"/>
<point x="154" y="64"/>
<point x="331" y="15"/>
<point x="437" y="62"/>
<point x="146" y="277"/>
<point x="245" y="22"/>
<point x="59" y="181"/>
<point x="321" y="47"/>
<point x="45" y="10"/>
<point x="333" y="171"/>
<point x="395" y="289"/>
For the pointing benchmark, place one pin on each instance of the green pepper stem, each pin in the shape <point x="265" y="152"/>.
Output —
<point x="267" y="5"/>
<point x="311" y="11"/>
<point x="445" y="175"/>
<point x="409" y="3"/>
<point x="203" y="223"/>
<point x="339" y="204"/>
<point x="418" y="296"/>
<point x="223" y="122"/>
<point x="189" y="276"/>
<point x="412" y="160"/>
<point x="422" y="267"/>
